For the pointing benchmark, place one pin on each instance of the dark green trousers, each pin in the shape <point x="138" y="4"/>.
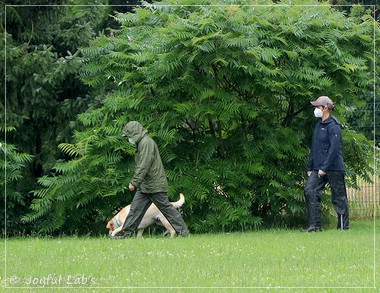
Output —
<point x="142" y="201"/>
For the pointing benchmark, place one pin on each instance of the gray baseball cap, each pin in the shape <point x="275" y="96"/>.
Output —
<point x="323" y="101"/>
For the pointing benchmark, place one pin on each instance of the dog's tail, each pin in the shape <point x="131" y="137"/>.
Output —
<point x="180" y="202"/>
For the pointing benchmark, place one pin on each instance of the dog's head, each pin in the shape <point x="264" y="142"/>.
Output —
<point x="110" y="226"/>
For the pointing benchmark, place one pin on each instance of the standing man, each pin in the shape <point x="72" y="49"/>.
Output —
<point x="326" y="166"/>
<point x="150" y="182"/>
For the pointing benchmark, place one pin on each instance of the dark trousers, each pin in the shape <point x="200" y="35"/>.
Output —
<point x="313" y="195"/>
<point x="142" y="201"/>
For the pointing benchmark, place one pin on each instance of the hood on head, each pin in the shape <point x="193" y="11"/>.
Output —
<point x="134" y="130"/>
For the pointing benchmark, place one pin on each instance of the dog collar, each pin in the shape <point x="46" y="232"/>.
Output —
<point x="116" y="222"/>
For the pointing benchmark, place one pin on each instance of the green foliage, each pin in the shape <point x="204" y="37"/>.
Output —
<point x="225" y="91"/>
<point x="42" y="85"/>
<point x="43" y="92"/>
<point x="12" y="164"/>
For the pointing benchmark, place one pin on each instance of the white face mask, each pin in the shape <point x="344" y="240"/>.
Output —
<point x="318" y="113"/>
<point x="131" y="140"/>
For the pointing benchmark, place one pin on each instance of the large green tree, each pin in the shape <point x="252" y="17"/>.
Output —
<point x="42" y="85"/>
<point x="43" y="92"/>
<point x="225" y="90"/>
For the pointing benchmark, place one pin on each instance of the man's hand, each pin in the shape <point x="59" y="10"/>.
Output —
<point x="131" y="187"/>
<point x="321" y="173"/>
<point x="309" y="173"/>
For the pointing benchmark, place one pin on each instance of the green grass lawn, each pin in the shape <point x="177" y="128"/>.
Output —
<point x="267" y="261"/>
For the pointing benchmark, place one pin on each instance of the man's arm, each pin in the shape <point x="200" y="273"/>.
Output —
<point x="145" y="149"/>
<point x="335" y="137"/>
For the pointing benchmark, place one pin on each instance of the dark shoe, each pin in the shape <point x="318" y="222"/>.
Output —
<point x="183" y="233"/>
<point x="120" y="236"/>
<point x="117" y="237"/>
<point x="312" y="229"/>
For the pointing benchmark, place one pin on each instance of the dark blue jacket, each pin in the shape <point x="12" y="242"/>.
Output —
<point x="326" y="148"/>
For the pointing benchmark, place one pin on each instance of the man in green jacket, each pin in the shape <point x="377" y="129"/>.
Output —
<point x="150" y="181"/>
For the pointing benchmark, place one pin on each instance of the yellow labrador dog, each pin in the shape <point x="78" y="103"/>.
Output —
<point x="152" y="215"/>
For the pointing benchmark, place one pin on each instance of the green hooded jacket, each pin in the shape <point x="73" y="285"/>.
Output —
<point x="149" y="176"/>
